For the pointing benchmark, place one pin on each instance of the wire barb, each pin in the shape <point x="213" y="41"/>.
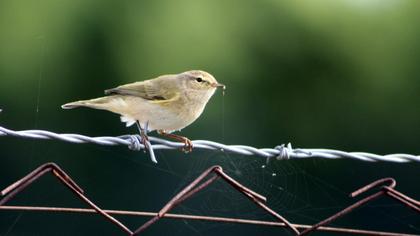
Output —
<point x="281" y="152"/>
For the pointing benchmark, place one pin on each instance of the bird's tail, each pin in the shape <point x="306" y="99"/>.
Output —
<point x="97" y="103"/>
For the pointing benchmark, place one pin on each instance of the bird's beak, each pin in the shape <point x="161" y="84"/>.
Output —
<point x="217" y="85"/>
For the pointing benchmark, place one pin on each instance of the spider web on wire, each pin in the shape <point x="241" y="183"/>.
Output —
<point x="289" y="188"/>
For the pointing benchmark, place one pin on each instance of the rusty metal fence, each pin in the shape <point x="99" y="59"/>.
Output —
<point x="384" y="188"/>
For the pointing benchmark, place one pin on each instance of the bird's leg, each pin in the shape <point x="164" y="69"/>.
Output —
<point x="143" y="134"/>
<point x="188" y="145"/>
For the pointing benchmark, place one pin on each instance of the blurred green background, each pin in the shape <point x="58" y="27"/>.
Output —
<point x="319" y="74"/>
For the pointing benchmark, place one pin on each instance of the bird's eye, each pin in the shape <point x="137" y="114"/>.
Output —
<point x="199" y="79"/>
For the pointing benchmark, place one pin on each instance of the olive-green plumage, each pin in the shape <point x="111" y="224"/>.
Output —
<point x="166" y="103"/>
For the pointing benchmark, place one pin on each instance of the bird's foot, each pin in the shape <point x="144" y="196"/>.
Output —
<point x="145" y="141"/>
<point x="188" y="145"/>
<point x="143" y="135"/>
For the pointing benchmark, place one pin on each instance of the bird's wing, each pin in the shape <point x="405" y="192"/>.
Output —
<point x="156" y="90"/>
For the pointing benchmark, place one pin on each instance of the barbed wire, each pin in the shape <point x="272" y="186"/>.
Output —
<point x="281" y="152"/>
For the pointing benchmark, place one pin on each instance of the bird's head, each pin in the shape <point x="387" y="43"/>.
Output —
<point x="200" y="80"/>
<point x="199" y="83"/>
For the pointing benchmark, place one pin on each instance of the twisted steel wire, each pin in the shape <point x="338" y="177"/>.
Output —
<point x="281" y="152"/>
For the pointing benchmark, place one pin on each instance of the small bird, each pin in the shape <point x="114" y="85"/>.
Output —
<point x="166" y="104"/>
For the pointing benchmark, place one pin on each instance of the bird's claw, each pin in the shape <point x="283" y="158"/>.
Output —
<point x="145" y="141"/>
<point x="188" y="146"/>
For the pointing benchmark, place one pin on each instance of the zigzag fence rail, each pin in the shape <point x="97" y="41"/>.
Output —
<point x="386" y="187"/>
